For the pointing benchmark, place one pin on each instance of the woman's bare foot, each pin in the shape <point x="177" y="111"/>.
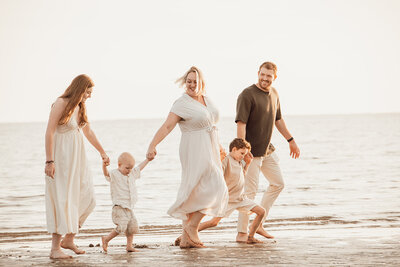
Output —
<point x="261" y="231"/>
<point x="178" y="241"/>
<point x="185" y="242"/>
<point x="72" y="247"/>
<point x="241" y="237"/>
<point x="58" y="254"/>
<point x="253" y="240"/>
<point x="193" y="234"/>
<point x="104" y="243"/>
<point x="130" y="249"/>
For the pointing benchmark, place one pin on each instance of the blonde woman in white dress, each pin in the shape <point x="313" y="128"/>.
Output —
<point x="69" y="188"/>
<point x="202" y="190"/>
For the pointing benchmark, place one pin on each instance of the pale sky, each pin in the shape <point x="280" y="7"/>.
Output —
<point x="333" y="57"/>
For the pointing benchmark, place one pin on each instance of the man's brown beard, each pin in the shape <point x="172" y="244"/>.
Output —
<point x="267" y="87"/>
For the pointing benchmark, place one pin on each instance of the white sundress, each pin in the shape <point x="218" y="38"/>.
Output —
<point x="202" y="185"/>
<point x="70" y="195"/>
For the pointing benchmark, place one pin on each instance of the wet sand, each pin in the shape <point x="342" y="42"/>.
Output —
<point x="310" y="246"/>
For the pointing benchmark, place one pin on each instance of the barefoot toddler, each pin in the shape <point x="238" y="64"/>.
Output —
<point x="124" y="196"/>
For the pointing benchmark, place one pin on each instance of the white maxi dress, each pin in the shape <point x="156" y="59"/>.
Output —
<point x="70" y="195"/>
<point x="202" y="185"/>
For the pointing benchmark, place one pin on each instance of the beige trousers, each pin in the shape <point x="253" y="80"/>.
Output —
<point x="125" y="220"/>
<point x="269" y="166"/>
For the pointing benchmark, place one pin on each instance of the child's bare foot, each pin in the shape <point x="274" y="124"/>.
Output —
<point x="192" y="234"/>
<point x="253" y="240"/>
<point x="261" y="231"/>
<point x="130" y="249"/>
<point x="241" y="237"/>
<point x="58" y="254"/>
<point x="178" y="241"/>
<point x="104" y="243"/>
<point x="72" y="247"/>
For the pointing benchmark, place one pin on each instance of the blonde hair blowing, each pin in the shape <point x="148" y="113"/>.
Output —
<point x="199" y="77"/>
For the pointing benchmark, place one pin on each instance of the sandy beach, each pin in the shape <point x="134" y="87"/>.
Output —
<point x="311" y="245"/>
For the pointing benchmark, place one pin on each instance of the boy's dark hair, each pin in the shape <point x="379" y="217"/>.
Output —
<point x="239" y="143"/>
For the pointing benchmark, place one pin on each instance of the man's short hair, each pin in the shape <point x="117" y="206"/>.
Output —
<point x="269" y="66"/>
<point x="239" y="143"/>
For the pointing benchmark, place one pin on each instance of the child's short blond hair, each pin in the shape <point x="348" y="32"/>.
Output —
<point x="126" y="157"/>
<point x="239" y="143"/>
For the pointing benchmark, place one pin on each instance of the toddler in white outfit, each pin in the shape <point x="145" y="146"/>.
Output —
<point x="124" y="196"/>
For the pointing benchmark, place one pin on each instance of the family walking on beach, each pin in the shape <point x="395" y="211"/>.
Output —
<point x="213" y="183"/>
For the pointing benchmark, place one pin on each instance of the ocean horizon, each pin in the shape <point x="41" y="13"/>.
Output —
<point x="222" y="117"/>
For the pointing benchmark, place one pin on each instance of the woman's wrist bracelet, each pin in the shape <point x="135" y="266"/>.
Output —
<point x="49" y="161"/>
<point x="290" y="139"/>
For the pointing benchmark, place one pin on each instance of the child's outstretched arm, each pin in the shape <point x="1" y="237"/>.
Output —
<point x="144" y="163"/>
<point x="105" y="172"/>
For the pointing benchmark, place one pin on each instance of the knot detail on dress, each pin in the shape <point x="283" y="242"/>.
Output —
<point x="211" y="128"/>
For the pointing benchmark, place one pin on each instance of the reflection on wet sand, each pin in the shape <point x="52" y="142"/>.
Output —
<point x="318" y="245"/>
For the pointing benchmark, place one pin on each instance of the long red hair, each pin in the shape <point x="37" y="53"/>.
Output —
<point x="73" y="94"/>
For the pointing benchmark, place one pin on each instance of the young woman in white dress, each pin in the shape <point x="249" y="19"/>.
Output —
<point x="69" y="188"/>
<point x="202" y="190"/>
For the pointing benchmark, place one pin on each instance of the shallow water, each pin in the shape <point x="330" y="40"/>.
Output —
<point x="348" y="173"/>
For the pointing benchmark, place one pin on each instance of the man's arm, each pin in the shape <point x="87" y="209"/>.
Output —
<point x="241" y="129"/>
<point x="294" y="149"/>
<point x="243" y="109"/>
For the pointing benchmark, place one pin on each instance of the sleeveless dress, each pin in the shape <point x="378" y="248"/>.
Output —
<point x="202" y="185"/>
<point x="70" y="195"/>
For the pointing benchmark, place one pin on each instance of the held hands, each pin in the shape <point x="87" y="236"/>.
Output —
<point x="106" y="159"/>
<point x="222" y="153"/>
<point x="248" y="158"/>
<point x="50" y="169"/>
<point x="294" y="149"/>
<point x="151" y="153"/>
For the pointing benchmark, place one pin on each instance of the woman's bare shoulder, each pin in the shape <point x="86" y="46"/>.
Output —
<point x="60" y="103"/>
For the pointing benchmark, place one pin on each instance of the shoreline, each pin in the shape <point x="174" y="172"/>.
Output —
<point x="316" y="246"/>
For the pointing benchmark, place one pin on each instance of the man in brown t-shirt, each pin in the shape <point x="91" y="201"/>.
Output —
<point x="257" y="111"/>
